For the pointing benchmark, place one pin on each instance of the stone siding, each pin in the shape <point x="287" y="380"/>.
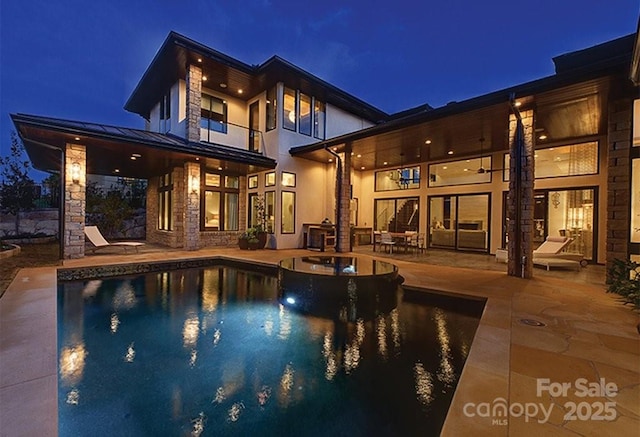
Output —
<point x="619" y="180"/>
<point x="515" y="267"/>
<point x="74" y="201"/>
<point x="38" y="221"/>
<point x="194" y="102"/>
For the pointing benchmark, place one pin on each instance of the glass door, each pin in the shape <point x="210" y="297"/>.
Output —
<point x="254" y="127"/>
<point x="442" y="210"/>
<point x="473" y="222"/>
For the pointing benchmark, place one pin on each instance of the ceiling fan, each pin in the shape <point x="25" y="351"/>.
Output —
<point x="483" y="170"/>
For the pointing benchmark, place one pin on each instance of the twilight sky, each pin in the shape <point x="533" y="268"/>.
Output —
<point x="81" y="60"/>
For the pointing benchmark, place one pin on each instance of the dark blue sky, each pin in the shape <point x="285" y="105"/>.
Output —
<point x="81" y="59"/>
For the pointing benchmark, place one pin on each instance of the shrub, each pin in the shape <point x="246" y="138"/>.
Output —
<point x="623" y="279"/>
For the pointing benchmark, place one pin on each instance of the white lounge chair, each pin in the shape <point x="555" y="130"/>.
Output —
<point x="554" y="248"/>
<point x="95" y="237"/>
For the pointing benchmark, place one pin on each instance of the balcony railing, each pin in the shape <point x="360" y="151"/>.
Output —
<point x="235" y="135"/>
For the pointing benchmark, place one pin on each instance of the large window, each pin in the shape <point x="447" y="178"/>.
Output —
<point x="297" y="114"/>
<point x="464" y="171"/>
<point x="397" y="215"/>
<point x="213" y="116"/>
<point x="318" y="119"/>
<point x="271" y="109"/>
<point x="288" y="223"/>
<point x="564" y="213"/>
<point x="165" y="210"/>
<point x="304" y="105"/>
<point x="289" y="109"/>
<point x="459" y="222"/>
<point x="270" y="210"/>
<point x="572" y="160"/>
<point x="398" y="179"/>
<point x="221" y="202"/>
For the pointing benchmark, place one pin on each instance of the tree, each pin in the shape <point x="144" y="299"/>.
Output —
<point x="17" y="191"/>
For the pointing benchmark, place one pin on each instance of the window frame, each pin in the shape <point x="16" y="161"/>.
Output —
<point x="165" y="188"/>
<point x="223" y="191"/>
<point x="211" y="121"/>
<point x="282" y="212"/>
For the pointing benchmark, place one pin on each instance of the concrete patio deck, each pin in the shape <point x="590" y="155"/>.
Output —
<point x="586" y="334"/>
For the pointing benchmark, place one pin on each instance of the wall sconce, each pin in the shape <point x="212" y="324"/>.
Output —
<point x="75" y="173"/>
<point x="194" y="184"/>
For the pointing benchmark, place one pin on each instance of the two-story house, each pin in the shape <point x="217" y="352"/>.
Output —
<point x="222" y="137"/>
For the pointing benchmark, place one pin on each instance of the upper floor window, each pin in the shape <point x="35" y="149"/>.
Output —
<point x="304" y="106"/>
<point x="318" y="119"/>
<point x="553" y="162"/>
<point x="213" y="115"/>
<point x="398" y="179"/>
<point x="289" y="108"/>
<point x="302" y="113"/>
<point x="271" y="109"/>
<point x="165" y="112"/>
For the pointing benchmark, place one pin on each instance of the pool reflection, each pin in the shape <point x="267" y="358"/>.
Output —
<point x="184" y="351"/>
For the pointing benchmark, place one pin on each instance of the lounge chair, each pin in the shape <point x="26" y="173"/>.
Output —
<point x="554" y="248"/>
<point x="95" y="237"/>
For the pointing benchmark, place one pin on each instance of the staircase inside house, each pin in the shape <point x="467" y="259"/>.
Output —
<point x="406" y="218"/>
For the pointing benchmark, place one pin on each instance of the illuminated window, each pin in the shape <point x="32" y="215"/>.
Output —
<point x="554" y="162"/>
<point x="288" y="179"/>
<point x="270" y="179"/>
<point x="398" y="179"/>
<point x="289" y="109"/>
<point x="288" y="223"/>
<point x="221" y="202"/>
<point x="252" y="181"/>
<point x="461" y="172"/>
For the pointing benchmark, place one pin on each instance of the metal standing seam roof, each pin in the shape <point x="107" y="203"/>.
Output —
<point x="137" y="136"/>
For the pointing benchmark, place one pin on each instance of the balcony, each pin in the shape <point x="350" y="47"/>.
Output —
<point x="234" y="135"/>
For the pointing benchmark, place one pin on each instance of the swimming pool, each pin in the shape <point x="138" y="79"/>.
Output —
<point x="211" y="351"/>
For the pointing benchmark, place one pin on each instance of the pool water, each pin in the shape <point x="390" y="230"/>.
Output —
<point x="212" y="351"/>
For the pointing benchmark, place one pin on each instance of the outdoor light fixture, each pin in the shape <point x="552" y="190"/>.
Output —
<point x="75" y="172"/>
<point x="194" y="183"/>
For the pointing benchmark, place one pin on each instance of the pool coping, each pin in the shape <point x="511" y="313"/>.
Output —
<point x="28" y="380"/>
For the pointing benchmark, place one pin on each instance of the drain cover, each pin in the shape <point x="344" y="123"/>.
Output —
<point x="532" y="322"/>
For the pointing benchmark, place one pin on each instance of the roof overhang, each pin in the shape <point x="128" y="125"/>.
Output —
<point x="110" y="149"/>
<point x="570" y="104"/>
<point x="635" y="61"/>
<point x="228" y="75"/>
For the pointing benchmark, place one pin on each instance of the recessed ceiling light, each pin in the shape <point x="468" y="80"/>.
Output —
<point x="77" y="138"/>
<point x="450" y="152"/>
<point x="199" y="59"/>
<point x="542" y="137"/>
<point x="352" y="153"/>
<point x="133" y="158"/>
<point x="362" y="168"/>
<point x="335" y="149"/>
<point x="518" y="104"/>
<point x="223" y="85"/>
<point x="535" y="156"/>
<point x="444" y="167"/>
<point x="219" y="168"/>
<point x="117" y="170"/>
<point x="330" y="159"/>
<point x="468" y="160"/>
<point x="204" y="78"/>
<point x="385" y="163"/>
<point x="240" y="91"/>
<point x="197" y="159"/>
<point x="137" y="155"/>
<point x="359" y="156"/>
<point x="466" y="169"/>
<point x="552" y="149"/>
<point x="428" y="142"/>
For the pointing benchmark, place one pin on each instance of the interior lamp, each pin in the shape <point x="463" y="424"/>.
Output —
<point x="75" y="172"/>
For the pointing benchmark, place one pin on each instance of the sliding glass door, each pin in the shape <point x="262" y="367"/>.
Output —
<point x="459" y="222"/>
<point x="397" y="215"/>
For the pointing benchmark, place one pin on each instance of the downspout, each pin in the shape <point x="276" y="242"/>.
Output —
<point x="338" y="191"/>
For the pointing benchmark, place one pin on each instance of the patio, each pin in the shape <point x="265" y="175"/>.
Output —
<point x="586" y="334"/>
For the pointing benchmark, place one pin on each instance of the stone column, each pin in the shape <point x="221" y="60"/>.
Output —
<point x="343" y="243"/>
<point x="618" y="180"/>
<point x="75" y="157"/>
<point x="194" y="102"/>
<point x="191" y="206"/>
<point x="520" y="200"/>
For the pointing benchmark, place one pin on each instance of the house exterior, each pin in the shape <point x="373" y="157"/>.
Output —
<point x="221" y="137"/>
